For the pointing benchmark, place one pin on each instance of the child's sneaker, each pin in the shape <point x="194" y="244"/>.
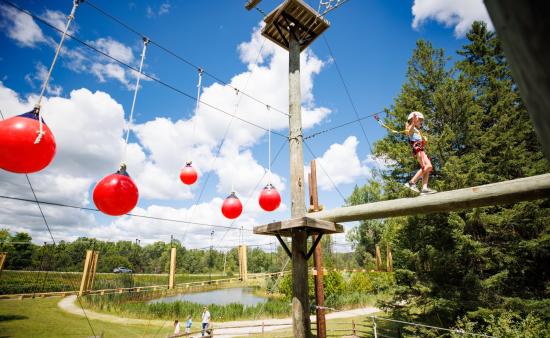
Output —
<point x="427" y="191"/>
<point x="412" y="187"/>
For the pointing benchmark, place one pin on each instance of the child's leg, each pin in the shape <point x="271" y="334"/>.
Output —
<point x="427" y="168"/>
<point x="420" y="171"/>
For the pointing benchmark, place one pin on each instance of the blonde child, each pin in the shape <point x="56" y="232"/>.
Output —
<point x="418" y="142"/>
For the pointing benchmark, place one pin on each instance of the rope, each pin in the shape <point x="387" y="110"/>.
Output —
<point x="197" y="105"/>
<point x="269" y="144"/>
<point x="70" y="18"/>
<point x="131" y="118"/>
<point x="377" y="118"/>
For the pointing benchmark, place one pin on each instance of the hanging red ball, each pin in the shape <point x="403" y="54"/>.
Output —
<point x="270" y="199"/>
<point x="232" y="207"/>
<point x="116" y="194"/>
<point x="18" y="151"/>
<point x="188" y="174"/>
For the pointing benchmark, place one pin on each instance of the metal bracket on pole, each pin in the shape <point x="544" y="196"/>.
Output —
<point x="283" y="244"/>
<point x="313" y="246"/>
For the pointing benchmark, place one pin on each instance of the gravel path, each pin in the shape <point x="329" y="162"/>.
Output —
<point x="68" y="304"/>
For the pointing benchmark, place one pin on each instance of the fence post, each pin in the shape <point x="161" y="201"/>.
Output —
<point x="353" y="331"/>
<point x="398" y="332"/>
<point x="262" y="329"/>
<point x="374" y="327"/>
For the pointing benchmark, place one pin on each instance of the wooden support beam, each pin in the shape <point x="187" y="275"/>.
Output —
<point x="243" y="263"/>
<point x="85" y="273"/>
<point x="521" y="189"/>
<point x="172" y="278"/>
<point x="3" y="256"/>
<point x="378" y="258"/>
<point x="523" y="29"/>
<point x="389" y="259"/>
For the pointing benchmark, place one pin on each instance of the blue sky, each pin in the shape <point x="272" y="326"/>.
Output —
<point x="90" y="95"/>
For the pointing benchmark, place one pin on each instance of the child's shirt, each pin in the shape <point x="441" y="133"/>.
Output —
<point x="415" y="136"/>
<point x="188" y="323"/>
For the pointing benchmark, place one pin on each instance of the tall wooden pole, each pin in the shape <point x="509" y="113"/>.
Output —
<point x="172" y="278"/>
<point x="318" y="258"/>
<point x="85" y="273"/>
<point x="300" y="301"/>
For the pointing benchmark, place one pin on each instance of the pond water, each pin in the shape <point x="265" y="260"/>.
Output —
<point x="243" y="296"/>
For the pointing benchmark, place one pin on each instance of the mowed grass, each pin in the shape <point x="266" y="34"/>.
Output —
<point x="31" y="318"/>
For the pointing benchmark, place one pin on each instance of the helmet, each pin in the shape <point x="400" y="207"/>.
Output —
<point x="418" y="115"/>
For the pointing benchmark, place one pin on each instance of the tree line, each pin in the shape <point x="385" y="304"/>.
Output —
<point x="22" y="254"/>
<point x="482" y="269"/>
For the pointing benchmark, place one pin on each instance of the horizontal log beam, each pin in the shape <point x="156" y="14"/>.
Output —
<point x="521" y="189"/>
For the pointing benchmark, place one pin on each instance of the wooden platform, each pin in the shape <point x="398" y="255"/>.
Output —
<point x="307" y="224"/>
<point x="297" y="13"/>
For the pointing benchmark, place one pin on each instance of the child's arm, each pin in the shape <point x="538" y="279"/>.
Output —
<point x="409" y="128"/>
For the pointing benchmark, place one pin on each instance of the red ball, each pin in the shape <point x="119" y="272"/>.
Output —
<point x="116" y="194"/>
<point x="270" y="199"/>
<point x="232" y="207"/>
<point x="188" y="174"/>
<point x="18" y="153"/>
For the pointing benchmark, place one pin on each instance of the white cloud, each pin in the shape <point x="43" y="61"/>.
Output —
<point x="163" y="9"/>
<point x="37" y="79"/>
<point x="58" y="20"/>
<point x="114" y="48"/>
<point x="20" y="27"/>
<point x="460" y="14"/>
<point x="340" y="165"/>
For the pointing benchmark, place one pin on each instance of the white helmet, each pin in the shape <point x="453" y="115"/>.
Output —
<point x="417" y="113"/>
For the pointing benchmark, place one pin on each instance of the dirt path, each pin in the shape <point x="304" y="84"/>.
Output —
<point x="224" y="329"/>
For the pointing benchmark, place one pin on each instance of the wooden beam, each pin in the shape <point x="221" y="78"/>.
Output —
<point x="3" y="256"/>
<point x="85" y="273"/>
<point x="172" y="277"/>
<point x="523" y="29"/>
<point x="521" y="189"/>
<point x="308" y="224"/>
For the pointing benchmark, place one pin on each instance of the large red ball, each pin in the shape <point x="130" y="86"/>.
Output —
<point x="232" y="207"/>
<point x="18" y="153"/>
<point x="188" y="174"/>
<point x="116" y="194"/>
<point x="270" y="199"/>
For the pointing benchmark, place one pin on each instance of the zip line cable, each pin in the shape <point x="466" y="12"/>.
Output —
<point x="325" y="172"/>
<point x="177" y="56"/>
<point x="151" y="77"/>
<point x="347" y="91"/>
<point x="341" y="125"/>
<point x="131" y="215"/>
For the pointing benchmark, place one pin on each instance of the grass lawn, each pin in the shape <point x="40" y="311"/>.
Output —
<point x="42" y="318"/>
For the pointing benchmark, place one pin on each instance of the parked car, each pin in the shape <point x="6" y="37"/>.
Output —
<point x="122" y="269"/>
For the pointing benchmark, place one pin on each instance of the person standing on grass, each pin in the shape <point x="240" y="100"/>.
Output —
<point x="205" y="320"/>
<point x="188" y="324"/>
<point x="177" y="327"/>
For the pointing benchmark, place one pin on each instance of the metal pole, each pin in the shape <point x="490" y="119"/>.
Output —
<point x="300" y="301"/>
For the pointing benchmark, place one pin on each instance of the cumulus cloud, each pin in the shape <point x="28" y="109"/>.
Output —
<point x="37" y="79"/>
<point x="163" y="9"/>
<point x="451" y="13"/>
<point x="20" y="27"/>
<point x="89" y="129"/>
<point x="340" y="165"/>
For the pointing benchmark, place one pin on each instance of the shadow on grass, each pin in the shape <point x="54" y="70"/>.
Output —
<point x="6" y="318"/>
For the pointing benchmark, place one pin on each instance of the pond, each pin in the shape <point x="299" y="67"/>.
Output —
<point x="243" y="296"/>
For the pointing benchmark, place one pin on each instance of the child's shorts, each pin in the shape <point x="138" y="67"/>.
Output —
<point x="417" y="146"/>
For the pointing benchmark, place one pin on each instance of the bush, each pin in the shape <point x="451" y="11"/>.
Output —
<point x="360" y="282"/>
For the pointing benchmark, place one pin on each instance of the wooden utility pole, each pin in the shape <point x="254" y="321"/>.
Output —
<point x="317" y="257"/>
<point x="294" y="25"/>
<point x="389" y="259"/>
<point x="378" y="258"/>
<point x="2" y="259"/>
<point x="243" y="263"/>
<point x="172" y="278"/>
<point x="300" y="299"/>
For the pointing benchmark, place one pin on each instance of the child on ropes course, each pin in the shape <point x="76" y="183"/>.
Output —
<point x="417" y="142"/>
